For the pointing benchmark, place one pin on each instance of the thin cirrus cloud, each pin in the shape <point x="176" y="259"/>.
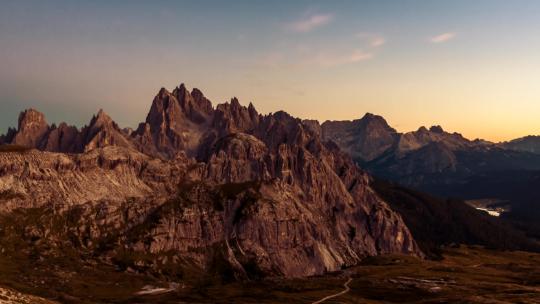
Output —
<point x="377" y="41"/>
<point x="332" y="60"/>
<point x="444" y="37"/>
<point x="373" y="40"/>
<point x="304" y="55"/>
<point x="310" y="22"/>
<point x="311" y="58"/>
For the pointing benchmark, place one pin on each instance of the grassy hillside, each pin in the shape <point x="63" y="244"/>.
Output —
<point x="435" y="222"/>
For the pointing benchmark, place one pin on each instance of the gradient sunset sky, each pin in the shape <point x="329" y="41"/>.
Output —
<point x="471" y="66"/>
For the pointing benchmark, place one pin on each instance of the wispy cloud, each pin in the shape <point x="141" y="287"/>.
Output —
<point x="310" y="22"/>
<point x="332" y="60"/>
<point x="363" y="46"/>
<point x="444" y="37"/>
<point x="312" y="58"/>
<point x="373" y="40"/>
<point x="377" y="41"/>
<point x="272" y="59"/>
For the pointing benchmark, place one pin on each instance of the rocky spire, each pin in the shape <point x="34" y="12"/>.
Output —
<point x="203" y="104"/>
<point x="63" y="138"/>
<point x="103" y="131"/>
<point x="31" y="130"/>
<point x="175" y="122"/>
<point x="436" y="129"/>
<point x="195" y="106"/>
<point x="233" y="117"/>
<point x="101" y="120"/>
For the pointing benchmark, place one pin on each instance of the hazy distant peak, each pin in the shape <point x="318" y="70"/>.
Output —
<point x="436" y="129"/>
<point x="422" y="129"/>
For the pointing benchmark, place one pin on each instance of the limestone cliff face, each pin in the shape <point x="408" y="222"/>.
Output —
<point x="225" y="190"/>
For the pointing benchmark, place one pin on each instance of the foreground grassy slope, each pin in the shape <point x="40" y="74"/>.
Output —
<point x="436" y="222"/>
<point x="464" y="275"/>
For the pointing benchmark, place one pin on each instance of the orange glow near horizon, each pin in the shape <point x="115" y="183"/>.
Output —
<point x="470" y="66"/>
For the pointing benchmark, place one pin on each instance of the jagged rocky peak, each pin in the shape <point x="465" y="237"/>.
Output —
<point x="364" y="139"/>
<point x="423" y="136"/>
<point x="176" y="122"/>
<point x="164" y="104"/>
<point x="375" y="119"/>
<point x="376" y="125"/>
<point x="102" y="131"/>
<point x="313" y="125"/>
<point x="233" y="117"/>
<point x="101" y="122"/>
<point x="196" y="107"/>
<point x="182" y="93"/>
<point x="178" y="108"/>
<point x="8" y="137"/>
<point x="422" y="129"/>
<point x="63" y="138"/>
<point x="31" y="117"/>
<point x="101" y="119"/>
<point x="31" y="130"/>
<point x="165" y="113"/>
<point x="203" y="103"/>
<point x="436" y="129"/>
<point x="260" y="176"/>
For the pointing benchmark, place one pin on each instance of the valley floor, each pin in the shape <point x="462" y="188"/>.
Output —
<point x="465" y="275"/>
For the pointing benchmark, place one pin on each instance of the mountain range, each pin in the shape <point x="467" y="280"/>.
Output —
<point x="195" y="187"/>
<point x="446" y="164"/>
<point x="199" y="191"/>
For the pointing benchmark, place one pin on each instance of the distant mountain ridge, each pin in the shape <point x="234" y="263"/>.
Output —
<point x="371" y="136"/>
<point x="172" y="113"/>
<point x="366" y="138"/>
<point x="426" y="156"/>
<point x="529" y="143"/>
<point x="446" y="164"/>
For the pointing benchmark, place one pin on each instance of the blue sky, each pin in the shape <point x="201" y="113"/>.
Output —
<point x="471" y="66"/>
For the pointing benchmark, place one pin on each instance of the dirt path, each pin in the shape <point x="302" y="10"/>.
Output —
<point x="347" y="289"/>
<point x="151" y="290"/>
